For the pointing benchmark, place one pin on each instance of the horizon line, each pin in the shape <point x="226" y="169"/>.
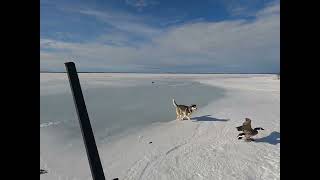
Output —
<point x="161" y="72"/>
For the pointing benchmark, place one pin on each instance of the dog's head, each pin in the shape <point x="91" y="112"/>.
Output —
<point x="193" y="107"/>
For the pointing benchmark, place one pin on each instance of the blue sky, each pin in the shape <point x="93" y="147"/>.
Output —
<point x="194" y="36"/>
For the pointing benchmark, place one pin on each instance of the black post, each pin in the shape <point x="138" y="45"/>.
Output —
<point x="87" y="134"/>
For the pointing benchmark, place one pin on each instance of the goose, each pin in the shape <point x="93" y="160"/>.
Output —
<point x="248" y="132"/>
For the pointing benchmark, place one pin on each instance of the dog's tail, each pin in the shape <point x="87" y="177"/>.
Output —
<point x="174" y="103"/>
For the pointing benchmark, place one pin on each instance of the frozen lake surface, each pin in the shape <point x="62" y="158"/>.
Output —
<point x="116" y="109"/>
<point x="128" y="111"/>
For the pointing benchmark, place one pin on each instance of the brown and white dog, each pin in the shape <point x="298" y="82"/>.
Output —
<point x="183" y="110"/>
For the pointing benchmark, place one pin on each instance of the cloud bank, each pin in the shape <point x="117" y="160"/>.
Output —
<point x="230" y="46"/>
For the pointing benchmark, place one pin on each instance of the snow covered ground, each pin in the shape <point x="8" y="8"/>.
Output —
<point x="204" y="148"/>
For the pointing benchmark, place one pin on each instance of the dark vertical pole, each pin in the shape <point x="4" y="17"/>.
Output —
<point x="87" y="134"/>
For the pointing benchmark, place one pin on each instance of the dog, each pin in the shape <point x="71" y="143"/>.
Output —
<point x="184" y="111"/>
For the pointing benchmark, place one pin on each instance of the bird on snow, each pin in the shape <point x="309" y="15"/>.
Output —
<point x="248" y="132"/>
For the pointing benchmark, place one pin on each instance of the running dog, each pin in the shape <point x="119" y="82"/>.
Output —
<point x="184" y="111"/>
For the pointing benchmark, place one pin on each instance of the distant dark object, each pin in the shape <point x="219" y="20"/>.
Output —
<point x="115" y="179"/>
<point x="152" y="82"/>
<point x="150" y="142"/>
<point x="42" y="171"/>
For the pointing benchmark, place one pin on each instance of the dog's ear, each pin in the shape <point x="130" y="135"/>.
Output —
<point x="193" y="105"/>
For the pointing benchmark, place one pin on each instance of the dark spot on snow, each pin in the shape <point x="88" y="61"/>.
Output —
<point x="42" y="171"/>
<point x="150" y="142"/>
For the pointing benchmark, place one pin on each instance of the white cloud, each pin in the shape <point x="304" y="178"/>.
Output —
<point x="272" y="9"/>
<point x="238" y="45"/>
<point x="123" y="22"/>
<point x="141" y="4"/>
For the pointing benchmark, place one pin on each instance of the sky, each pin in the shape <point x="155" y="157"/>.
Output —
<point x="158" y="36"/>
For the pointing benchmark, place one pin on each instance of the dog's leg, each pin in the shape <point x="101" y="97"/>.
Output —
<point x="188" y="118"/>
<point x="184" y="115"/>
<point x="178" y="115"/>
